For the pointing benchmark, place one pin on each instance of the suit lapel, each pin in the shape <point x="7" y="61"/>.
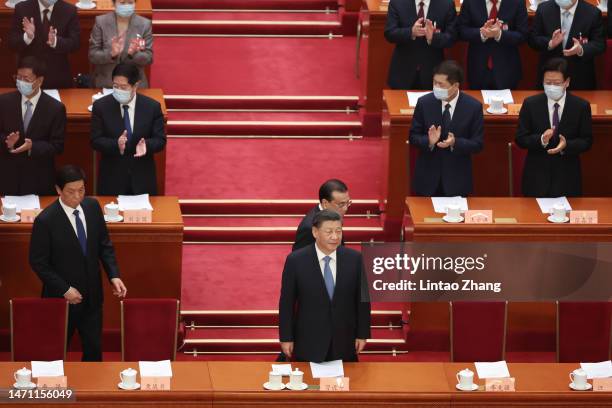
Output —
<point x="137" y="131"/>
<point x="41" y="107"/>
<point x="339" y="272"/>
<point x="19" y="115"/>
<point x="543" y="111"/>
<point x="504" y="10"/>
<point x="566" y="113"/>
<point x="574" y="30"/>
<point x="482" y="7"/>
<point x="90" y="224"/>
<point x="457" y="113"/>
<point x="67" y="227"/>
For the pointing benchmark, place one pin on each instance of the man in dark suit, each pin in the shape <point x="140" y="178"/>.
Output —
<point x="32" y="128"/>
<point x="324" y="307"/>
<point x="127" y="129"/>
<point x="494" y="30"/>
<point x="420" y="30"/>
<point x="48" y="30"/>
<point x="447" y="128"/>
<point x="572" y="29"/>
<point x="69" y="241"/>
<point x="333" y="195"/>
<point x="555" y="128"/>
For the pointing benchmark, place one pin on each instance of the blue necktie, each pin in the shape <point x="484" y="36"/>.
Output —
<point x="80" y="232"/>
<point x="328" y="277"/>
<point x="126" y="122"/>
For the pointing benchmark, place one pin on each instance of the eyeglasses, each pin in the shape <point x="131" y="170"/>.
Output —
<point x="344" y="204"/>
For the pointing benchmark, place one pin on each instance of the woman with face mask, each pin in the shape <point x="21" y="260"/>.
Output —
<point x="120" y="37"/>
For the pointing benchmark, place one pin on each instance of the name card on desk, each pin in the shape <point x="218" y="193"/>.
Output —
<point x="608" y="111"/>
<point x="27" y="216"/>
<point x="479" y="217"/>
<point x="499" y="384"/>
<point x="407" y="111"/>
<point x="155" y="383"/>
<point x="514" y="108"/>
<point x="60" y="381"/>
<point x="335" y="384"/>
<point x="593" y="109"/>
<point x="583" y="217"/>
<point x="137" y="216"/>
<point x="602" y="384"/>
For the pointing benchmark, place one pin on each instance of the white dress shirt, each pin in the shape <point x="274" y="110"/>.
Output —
<point x="551" y="111"/>
<point x="425" y="7"/>
<point x="131" y="110"/>
<point x="33" y="100"/>
<point x="332" y="262"/>
<point x="453" y="104"/>
<point x="69" y="213"/>
<point x="42" y="8"/>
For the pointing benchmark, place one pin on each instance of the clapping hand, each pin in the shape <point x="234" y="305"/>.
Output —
<point x="417" y="29"/>
<point x="52" y="38"/>
<point x="141" y="148"/>
<point x="575" y="50"/>
<point x="29" y="27"/>
<point x="448" y="142"/>
<point x="117" y="45"/>
<point x="26" y="146"/>
<point x="430" y="29"/>
<point x="556" y="39"/>
<point x="434" y="135"/>
<point x="122" y="141"/>
<point x="560" y="147"/>
<point x="135" y="46"/>
<point x="11" y="139"/>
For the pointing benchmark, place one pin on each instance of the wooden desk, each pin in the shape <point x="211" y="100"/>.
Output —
<point x="375" y="57"/>
<point x="77" y="145"/>
<point x="490" y="166"/>
<point x="79" y="61"/>
<point x="149" y="258"/>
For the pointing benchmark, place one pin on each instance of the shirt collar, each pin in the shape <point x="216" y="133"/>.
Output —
<point x="43" y="7"/>
<point x="561" y="102"/>
<point x="453" y="102"/>
<point x="425" y="3"/>
<point x="321" y="255"/>
<point x="132" y="103"/>
<point x="69" y="210"/>
<point x="33" y="100"/>
<point x="572" y="10"/>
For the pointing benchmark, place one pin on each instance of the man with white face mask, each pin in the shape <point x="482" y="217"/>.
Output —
<point x="48" y="30"/>
<point x="555" y="128"/>
<point x="447" y="128"/>
<point x="127" y="129"/>
<point x="32" y="129"/>
<point x="572" y="29"/>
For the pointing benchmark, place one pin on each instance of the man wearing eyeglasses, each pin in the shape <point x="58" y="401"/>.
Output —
<point x="333" y="195"/>
<point x="32" y="129"/>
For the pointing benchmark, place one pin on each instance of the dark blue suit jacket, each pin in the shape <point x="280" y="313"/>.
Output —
<point x="505" y="53"/>
<point x="451" y="168"/>
<point x="416" y="57"/>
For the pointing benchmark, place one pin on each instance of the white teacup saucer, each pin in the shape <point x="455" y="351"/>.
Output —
<point x="556" y="220"/>
<point x="453" y="220"/>
<point x="3" y="218"/>
<point x="587" y="387"/>
<point x="108" y="219"/>
<point x="474" y="387"/>
<point x="300" y="387"/>
<point x="86" y="7"/>
<point x="127" y="387"/>
<point x="30" y="386"/>
<point x="271" y="387"/>
<point x="90" y="108"/>
<point x="497" y="112"/>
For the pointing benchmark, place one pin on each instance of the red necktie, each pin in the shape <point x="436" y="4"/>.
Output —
<point x="492" y="16"/>
<point x="421" y="13"/>
<point x="46" y="24"/>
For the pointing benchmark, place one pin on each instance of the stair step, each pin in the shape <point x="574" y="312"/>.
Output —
<point x="261" y="102"/>
<point x="245" y="221"/>
<point x="245" y="16"/>
<point x="263" y="206"/>
<point x="247" y="127"/>
<point x="247" y="4"/>
<point x="245" y="27"/>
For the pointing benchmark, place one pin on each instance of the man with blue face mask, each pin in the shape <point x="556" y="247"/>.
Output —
<point x="447" y="128"/>
<point x="572" y="29"/>
<point x="555" y="128"/>
<point x="127" y="129"/>
<point x="32" y="129"/>
<point x="48" y="30"/>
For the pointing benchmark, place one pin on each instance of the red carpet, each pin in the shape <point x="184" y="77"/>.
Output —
<point x="255" y="66"/>
<point x="271" y="169"/>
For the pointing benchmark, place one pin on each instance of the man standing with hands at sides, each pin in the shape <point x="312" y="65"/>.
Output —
<point x="324" y="306"/>
<point x="572" y="29"/>
<point x="127" y="129"/>
<point x="69" y="241"/>
<point x="494" y="39"/>
<point x="447" y="128"/>
<point x="555" y="128"/>
<point x="420" y="30"/>
<point x="48" y="30"/>
<point x="32" y="129"/>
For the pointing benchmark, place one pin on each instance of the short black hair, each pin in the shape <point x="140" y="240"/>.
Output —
<point x="556" y="65"/>
<point x="68" y="174"/>
<point x="325" y="215"/>
<point x="327" y="189"/>
<point x="130" y="71"/>
<point x="37" y="66"/>
<point x="452" y="70"/>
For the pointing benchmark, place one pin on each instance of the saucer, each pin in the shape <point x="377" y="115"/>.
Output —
<point x="452" y="220"/>
<point x="474" y="387"/>
<point x="586" y="388"/>
<point x="108" y="219"/>
<point x="533" y="7"/>
<point x="90" y="108"/>
<point x="557" y="220"/>
<point x="3" y="218"/>
<point x="499" y="112"/>
<point x="89" y="7"/>
<point x="271" y="387"/>
<point x="125" y="387"/>
<point x="300" y="387"/>
<point x="30" y="386"/>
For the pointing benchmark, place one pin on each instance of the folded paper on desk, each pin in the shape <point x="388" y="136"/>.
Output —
<point x="504" y="94"/>
<point x="547" y="204"/>
<point x="497" y="369"/>
<point x="47" y="368"/>
<point x="155" y="368"/>
<point x="30" y="201"/>
<point x="327" y="369"/>
<point x="54" y="93"/>
<point x="282" y="369"/>
<point x="413" y="97"/>
<point x="440" y="204"/>
<point x="134" y="202"/>
<point x="597" y="370"/>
